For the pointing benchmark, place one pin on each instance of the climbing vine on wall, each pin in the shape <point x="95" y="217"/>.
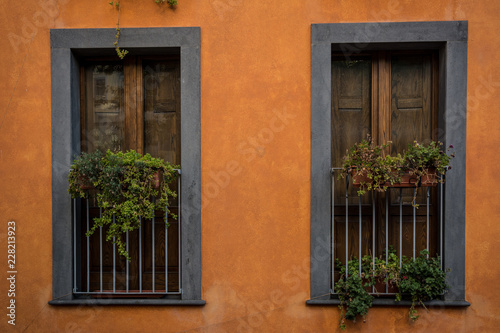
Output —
<point x="122" y="52"/>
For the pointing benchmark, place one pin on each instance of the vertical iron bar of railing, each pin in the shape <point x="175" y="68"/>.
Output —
<point x="373" y="238"/>
<point x="387" y="236"/>
<point x="166" y="249"/>
<point x="179" y="216"/>
<point x="88" y="246"/>
<point x="100" y="252"/>
<point x="114" y="260"/>
<point x="359" y="238"/>
<point x="441" y="223"/>
<point x="126" y="263"/>
<point x="74" y="245"/>
<point x="153" y="247"/>
<point x="400" y="226"/>
<point x="427" y="226"/>
<point x="414" y="221"/>
<point x="333" y="228"/>
<point x="347" y="227"/>
<point x="140" y="256"/>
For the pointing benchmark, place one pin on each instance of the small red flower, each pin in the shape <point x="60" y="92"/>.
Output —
<point x="405" y="277"/>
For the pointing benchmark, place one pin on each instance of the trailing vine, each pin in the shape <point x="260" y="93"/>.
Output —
<point x="351" y="288"/>
<point x="421" y="279"/>
<point x="170" y="2"/>
<point x="127" y="187"/>
<point x="121" y="53"/>
<point x="417" y="279"/>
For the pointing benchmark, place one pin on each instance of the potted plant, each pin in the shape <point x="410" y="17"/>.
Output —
<point x="351" y="288"/>
<point x="354" y="288"/>
<point x="127" y="189"/>
<point x="384" y="272"/>
<point x="421" y="165"/>
<point x="403" y="178"/>
<point x="427" y="164"/>
<point x="369" y="168"/>
<point x="425" y="161"/>
<point x="421" y="279"/>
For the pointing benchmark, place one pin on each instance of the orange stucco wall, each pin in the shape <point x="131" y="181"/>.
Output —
<point x="255" y="71"/>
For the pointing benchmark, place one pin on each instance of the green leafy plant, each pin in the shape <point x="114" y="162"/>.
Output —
<point x="351" y="289"/>
<point x="85" y="172"/>
<point x="366" y="161"/>
<point x="121" y="53"/>
<point x="391" y="270"/>
<point x="382" y="271"/>
<point x="421" y="279"/>
<point x="126" y="191"/>
<point x="419" y="159"/>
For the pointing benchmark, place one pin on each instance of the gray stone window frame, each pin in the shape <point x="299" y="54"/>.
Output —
<point x="450" y="39"/>
<point x="67" y="47"/>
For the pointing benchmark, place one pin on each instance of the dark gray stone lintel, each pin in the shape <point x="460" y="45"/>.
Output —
<point x="390" y="32"/>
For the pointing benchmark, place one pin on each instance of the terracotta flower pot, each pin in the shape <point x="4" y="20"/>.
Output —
<point x="157" y="178"/>
<point x="411" y="180"/>
<point x="430" y="178"/>
<point x="391" y="288"/>
<point x="407" y="180"/>
<point x="360" y="177"/>
<point x="379" y="287"/>
<point x="85" y="184"/>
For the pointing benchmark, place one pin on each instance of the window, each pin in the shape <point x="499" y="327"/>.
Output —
<point x="148" y="120"/>
<point x="393" y="97"/>
<point x="361" y="65"/>
<point x="142" y="103"/>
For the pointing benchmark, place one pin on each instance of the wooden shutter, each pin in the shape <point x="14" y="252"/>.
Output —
<point x="393" y="96"/>
<point x="131" y="104"/>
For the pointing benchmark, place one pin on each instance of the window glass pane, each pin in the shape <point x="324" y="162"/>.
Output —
<point x="104" y="117"/>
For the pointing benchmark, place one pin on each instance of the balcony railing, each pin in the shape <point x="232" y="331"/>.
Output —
<point x="155" y="266"/>
<point x="389" y="218"/>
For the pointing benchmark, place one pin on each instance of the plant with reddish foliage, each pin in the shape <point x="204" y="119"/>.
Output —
<point x="366" y="159"/>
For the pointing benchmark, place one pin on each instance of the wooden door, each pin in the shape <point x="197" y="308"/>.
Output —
<point x="413" y="109"/>
<point x="391" y="96"/>
<point x="134" y="104"/>
<point x="351" y="122"/>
